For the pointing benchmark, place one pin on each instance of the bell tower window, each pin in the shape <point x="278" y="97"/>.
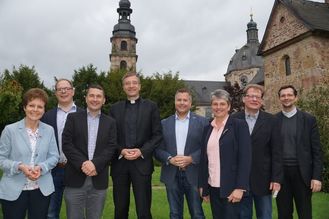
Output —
<point x="123" y="46"/>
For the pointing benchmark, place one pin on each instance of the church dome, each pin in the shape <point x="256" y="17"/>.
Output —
<point x="124" y="4"/>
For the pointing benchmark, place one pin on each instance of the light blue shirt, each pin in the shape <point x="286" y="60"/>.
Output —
<point x="61" y="120"/>
<point x="93" y="122"/>
<point x="251" y="120"/>
<point x="181" y="129"/>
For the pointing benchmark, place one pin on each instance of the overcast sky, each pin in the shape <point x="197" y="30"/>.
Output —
<point x="194" y="37"/>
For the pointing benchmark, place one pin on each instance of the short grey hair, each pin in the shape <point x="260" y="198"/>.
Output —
<point x="220" y="94"/>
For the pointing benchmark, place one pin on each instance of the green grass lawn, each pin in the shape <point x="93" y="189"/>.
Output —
<point x="160" y="207"/>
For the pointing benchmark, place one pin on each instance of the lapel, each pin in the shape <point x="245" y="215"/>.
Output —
<point x="140" y="116"/>
<point x="259" y="123"/>
<point x="228" y="127"/>
<point x="172" y="132"/>
<point x="190" y="131"/>
<point x="41" y="136"/>
<point x="23" y="133"/>
<point x="84" y="127"/>
<point x="300" y="127"/>
<point x="99" y="132"/>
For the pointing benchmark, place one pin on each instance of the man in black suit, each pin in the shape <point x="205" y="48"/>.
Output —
<point x="56" y="117"/>
<point x="139" y="133"/>
<point x="89" y="143"/>
<point x="302" y="157"/>
<point x="266" y="169"/>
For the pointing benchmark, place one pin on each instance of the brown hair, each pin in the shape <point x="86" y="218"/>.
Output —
<point x="130" y="74"/>
<point x="34" y="93"/>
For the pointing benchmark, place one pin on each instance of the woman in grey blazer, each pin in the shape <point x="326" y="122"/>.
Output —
<point x="28" y="152"/>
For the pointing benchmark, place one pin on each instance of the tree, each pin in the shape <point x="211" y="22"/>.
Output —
<point x="316" y="102"/>
<point x="161" y="88"/>
<point x="10" y="99"/>
<point x="236" y="94"/>
<point x="82" y="78"/>
<point x="26" y="77"/>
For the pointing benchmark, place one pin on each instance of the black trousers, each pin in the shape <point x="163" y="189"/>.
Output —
<point x="221" y="208"/>
<point x="33" y="202"/>
<point x="142" y="189"/>
<point x="294" y="189"/>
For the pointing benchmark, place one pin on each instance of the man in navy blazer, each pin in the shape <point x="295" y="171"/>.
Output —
<point x="89" y="143"/>
<point x="179" y="154"/>
<point x="266" y="168"/>
<point x="302" y="157"/>
<point x="56" y="118"/>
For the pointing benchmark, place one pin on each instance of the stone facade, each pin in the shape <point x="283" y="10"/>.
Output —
<point x="308" y="53"/>
<point x="242" y="77"/>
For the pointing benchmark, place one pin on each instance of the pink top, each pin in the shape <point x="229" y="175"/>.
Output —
<point x="213" y="153"/>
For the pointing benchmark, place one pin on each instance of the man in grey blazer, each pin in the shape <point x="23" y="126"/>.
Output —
<point x="179" y="154"/>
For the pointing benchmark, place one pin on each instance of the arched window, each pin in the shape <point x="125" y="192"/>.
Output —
<point x="123" y="46"/>
<point x="287" y="65"/>
<point x="123" y="65"/>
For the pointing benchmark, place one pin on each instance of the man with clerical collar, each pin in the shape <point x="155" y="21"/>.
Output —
<point x="266" y="168"/>
<point x="139" y="133"/>
<point x="302" y="157"/>
<point x="179" y="154"/>
<point x="56" y="117"/>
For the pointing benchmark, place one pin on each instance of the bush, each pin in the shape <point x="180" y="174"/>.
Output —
<point x="316" y="102"/>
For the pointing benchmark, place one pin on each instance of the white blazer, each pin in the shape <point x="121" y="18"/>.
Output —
<point x="15" y="148"/>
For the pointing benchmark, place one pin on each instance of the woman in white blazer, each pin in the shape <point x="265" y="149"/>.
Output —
<point x="28" y="152"/>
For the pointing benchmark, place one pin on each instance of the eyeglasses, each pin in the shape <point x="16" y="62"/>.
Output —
<point x="64" y="89"/>
<point x="252" y="97"/>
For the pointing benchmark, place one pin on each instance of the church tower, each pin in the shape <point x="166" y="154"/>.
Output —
<point x="246" y="66"/>
<point x="123" y="54"/>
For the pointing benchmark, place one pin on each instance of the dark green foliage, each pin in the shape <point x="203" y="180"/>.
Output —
<point x="161" y="88"/>
<point x="236" y="94"/>
<point x="10" y="100"/>
<point x="316" y="102"/>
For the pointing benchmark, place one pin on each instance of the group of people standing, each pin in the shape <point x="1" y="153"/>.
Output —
<point x="233" y="161"/>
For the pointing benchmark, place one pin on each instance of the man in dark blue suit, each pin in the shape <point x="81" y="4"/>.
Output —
<point x="56" y="117"/>
<point x="179" y="154"/>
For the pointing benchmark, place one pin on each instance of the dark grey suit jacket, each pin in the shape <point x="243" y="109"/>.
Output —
<point x="192" y="148"/>
<point x="309" y="153"/>
<point x="266" y="153"/>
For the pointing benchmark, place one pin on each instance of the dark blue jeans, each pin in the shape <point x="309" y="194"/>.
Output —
<point x="263" y="206"/>
<point x="56" y="198"/>
<point x="175" y="195"/>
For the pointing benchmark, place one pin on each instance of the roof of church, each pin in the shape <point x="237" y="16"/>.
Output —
<point x="202" y="89"/>
<point x="246" y="57"/>
<point x="315" y="15"/>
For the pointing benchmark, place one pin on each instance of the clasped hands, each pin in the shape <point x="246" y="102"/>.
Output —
<point x="181" y="161"/>
<point x="31" y="172"/>
<point x="89" y="168"/>
<point x="131" y="153"/>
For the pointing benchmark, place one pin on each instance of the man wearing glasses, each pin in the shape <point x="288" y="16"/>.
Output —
<point x="266" y="169"/>
<point x="56" y="117"/>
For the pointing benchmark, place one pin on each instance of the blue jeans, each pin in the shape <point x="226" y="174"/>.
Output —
<point x="56" y="198"/>
<point x="175" y="195"/>
<point x="263" y="206"/>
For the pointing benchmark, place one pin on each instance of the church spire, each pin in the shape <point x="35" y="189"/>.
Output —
<point x="123" y="55"/>
<point x="252" y="31"/>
